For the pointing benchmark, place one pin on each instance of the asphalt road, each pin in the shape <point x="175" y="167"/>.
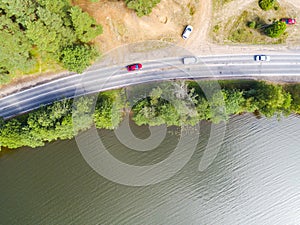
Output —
<point x="233" y="66"/>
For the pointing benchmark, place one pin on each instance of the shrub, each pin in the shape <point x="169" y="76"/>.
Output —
<point x="142" y="7"/>
<point x="276" y="29"/>
<point x="216" y="28"/>
<point x="266" y="4"/>
<point x="252" y="24"/>
<point x="276" y="6"/>
<point x="192" y="9"/>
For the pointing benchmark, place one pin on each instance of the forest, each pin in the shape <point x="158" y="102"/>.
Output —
<point x="172" y="103"/>
<point x="37" y="33"/>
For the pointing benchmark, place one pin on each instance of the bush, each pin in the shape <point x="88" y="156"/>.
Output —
<point x="266" y="4"/>
<point x="142" y="7"/>
<point x="276" y="6"/>
<point x="276" y="29"/>
<point x="216" y="28"/>
<point x="252" y="24"/>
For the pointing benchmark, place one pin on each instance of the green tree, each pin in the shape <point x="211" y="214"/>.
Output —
<point x="103" y="114"/>
<point x="155" y="113"/>
<point x="266" y="4"/>
<point x="45" y="122"/>
<point x="109" y="109"/>
<point x="143" y="113"/>
<point x="59" y="7"/>
<point x="43" y="37"/>
<point x="170" y="104"/>
<point x="56" y="23"/>
<point x="272" y="99"/>
<point x="14" y="47"/>
<point x="234" y="101"/>
<point x="142" y="7"/>
<point x="85" y="26"/>
<point x="14" y="134"/>
<point x="252" y="24"/>
<point x="203" y="109"/>
<point x="276" y="29"/>
<point x="77" y="57"/>
<point x="82" y="113"/>
<point x="35" y="29"/>
<point x="22" y="11"/>
<point x="294" y="90"/>
<point x="217" y="112"/>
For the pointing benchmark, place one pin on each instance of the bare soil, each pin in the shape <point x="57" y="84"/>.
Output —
<point x="122" y="26"/>
<point x="230" y="23"/>
<point x="166" y="22"/>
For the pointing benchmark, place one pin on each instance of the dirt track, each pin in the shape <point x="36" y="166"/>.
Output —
<point x="199" y="43"/>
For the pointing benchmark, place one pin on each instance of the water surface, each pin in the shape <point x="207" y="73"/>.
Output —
<point x="255" y="179"/>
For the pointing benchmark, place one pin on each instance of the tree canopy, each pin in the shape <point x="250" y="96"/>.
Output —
<point x="276" y="29"/>
<point x="55" y="121"/>
<point x="29" y="28"/>
<point x="177" y="103"/>
<point x="266" y="4"/>
<point x="86" y="28"/>
<point x="15" y="47"/>
<point x="77" y="57"/>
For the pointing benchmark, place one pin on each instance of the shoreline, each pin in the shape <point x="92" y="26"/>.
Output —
<point x="236" y="87"/>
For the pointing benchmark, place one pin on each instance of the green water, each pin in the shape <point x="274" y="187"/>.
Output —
<point x="255" y="179"/>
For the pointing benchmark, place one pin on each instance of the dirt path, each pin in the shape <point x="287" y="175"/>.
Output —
<point x="201" y="23"/>
<point x="204" y="17"/>
<point x="199" y="44"/>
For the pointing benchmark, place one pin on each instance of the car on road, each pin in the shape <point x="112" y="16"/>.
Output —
<point x="288" y="21"/>
<point x="187" y="32"/>
<point x="189" y="60"/>
<point x="133" y="67"/>
<point x="262" y="58"/>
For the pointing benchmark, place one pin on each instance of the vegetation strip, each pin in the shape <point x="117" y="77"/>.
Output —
<point x="167" y="103"/>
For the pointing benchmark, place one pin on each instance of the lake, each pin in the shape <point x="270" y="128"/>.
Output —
<point x="254" y="179"/>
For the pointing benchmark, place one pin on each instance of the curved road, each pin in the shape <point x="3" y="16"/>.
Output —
<point x="166" y="69"/>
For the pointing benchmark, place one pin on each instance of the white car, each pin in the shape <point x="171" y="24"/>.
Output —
<point x="189" y="60"/>
<point x="262" y="58"/>
<point x="187" y="31"/>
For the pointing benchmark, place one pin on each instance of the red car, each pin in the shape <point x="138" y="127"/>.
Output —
<point x="288" y="21"/>
<point x="134" y="67"/>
